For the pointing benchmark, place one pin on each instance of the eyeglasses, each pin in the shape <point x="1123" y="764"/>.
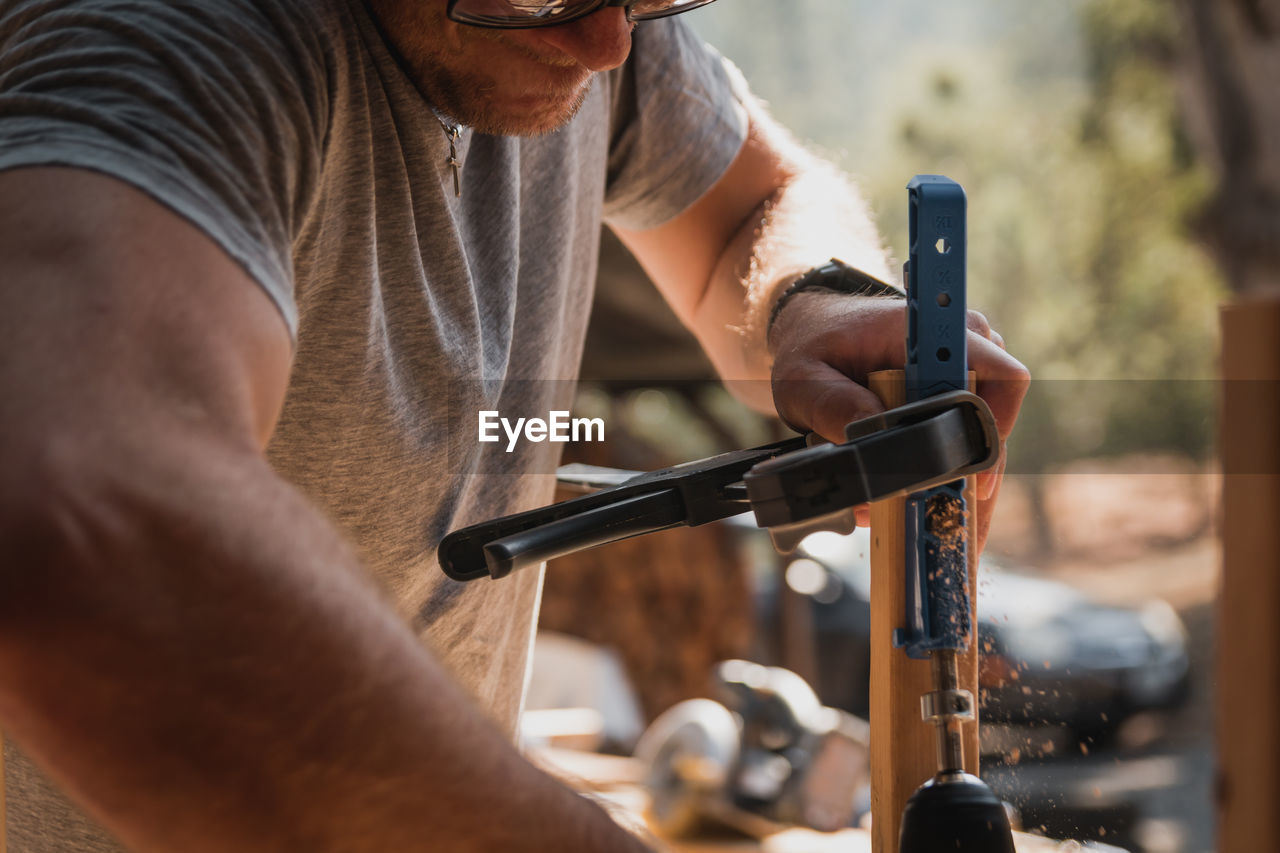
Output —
<point x="522" y="14"/>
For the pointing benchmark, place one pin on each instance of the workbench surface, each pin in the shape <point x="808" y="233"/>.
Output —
<point x="616" y="781"/>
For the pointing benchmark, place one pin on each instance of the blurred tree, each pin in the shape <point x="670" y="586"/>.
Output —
<point x="1064" y="127"/>
<point x="1231" y="60"/>
<point x="1232" y="56"/>
<point x="1080" y="247"/>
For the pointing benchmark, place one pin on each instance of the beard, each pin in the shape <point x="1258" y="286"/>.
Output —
<point x="482" y="78"/>
<point x="490" y="106"/>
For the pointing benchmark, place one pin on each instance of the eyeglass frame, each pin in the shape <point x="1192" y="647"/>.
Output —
<point x="587" y="9"/>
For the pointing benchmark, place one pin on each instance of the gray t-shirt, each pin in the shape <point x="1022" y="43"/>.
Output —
<point x="286" y="131"/>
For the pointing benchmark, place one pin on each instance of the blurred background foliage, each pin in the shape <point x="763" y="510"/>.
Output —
<point x="1062" y="123"/>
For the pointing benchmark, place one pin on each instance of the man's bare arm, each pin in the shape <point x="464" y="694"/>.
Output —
<point x="185" y="644"/>
<point x="720" y="263"/>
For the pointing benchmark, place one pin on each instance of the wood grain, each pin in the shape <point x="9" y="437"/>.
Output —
<point x="902" y="745"/>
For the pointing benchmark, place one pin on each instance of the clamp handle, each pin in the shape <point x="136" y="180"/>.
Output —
<point x="793" y="489"/>
<point x="691" y="494"/>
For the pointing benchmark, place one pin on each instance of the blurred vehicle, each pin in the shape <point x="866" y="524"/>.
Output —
<point x="1048" y="654"/>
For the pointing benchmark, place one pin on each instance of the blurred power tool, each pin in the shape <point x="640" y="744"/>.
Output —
<point x="768" y="754"/>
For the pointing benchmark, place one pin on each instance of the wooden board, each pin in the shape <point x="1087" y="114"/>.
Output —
<point x="1248" y="646"/>
<point x="902" y="745"/>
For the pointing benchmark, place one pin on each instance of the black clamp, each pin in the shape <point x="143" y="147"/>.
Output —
<point x="793" y="488"/>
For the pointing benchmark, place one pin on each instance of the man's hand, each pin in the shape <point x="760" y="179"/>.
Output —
<point x="827" y="344"/>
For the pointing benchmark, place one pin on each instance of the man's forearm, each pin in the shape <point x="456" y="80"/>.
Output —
<point x="817" y="214"/>
<point x="190" y="650"/>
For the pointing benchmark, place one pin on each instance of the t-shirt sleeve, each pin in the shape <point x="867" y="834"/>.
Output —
<point x="678" y="121"/>
<point x="215" y="108"/>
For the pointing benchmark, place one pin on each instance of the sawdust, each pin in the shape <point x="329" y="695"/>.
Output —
<point x="947" y="518"/>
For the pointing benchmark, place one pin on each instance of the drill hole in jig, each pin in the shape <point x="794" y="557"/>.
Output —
<point x="943" y="245"/>
<point x="944" y="299"/>
<point x="944" y="354"/>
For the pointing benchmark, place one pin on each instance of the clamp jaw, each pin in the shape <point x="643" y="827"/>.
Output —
<point x="911" y="447"/>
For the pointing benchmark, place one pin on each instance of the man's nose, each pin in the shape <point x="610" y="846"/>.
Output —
<point x="599" y="41"/>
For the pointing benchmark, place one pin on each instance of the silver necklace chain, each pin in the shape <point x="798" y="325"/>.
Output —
<point x="453" y="132"/>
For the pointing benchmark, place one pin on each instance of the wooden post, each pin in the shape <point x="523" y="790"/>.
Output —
<point x="902" y="744"/>
<point x="1248" y="623"/>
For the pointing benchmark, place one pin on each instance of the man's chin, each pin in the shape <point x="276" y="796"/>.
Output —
<point x="529" y="116"/>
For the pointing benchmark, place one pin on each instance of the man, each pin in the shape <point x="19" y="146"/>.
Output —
<point x="261" y="264"/>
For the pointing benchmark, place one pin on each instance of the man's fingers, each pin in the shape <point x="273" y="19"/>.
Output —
<point x="813" y="396"/>
<point x="976" y="321"/>
<point x="1002" y="381"/>
<point x="989" y="480"/>
<point x="987" y="505"/>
